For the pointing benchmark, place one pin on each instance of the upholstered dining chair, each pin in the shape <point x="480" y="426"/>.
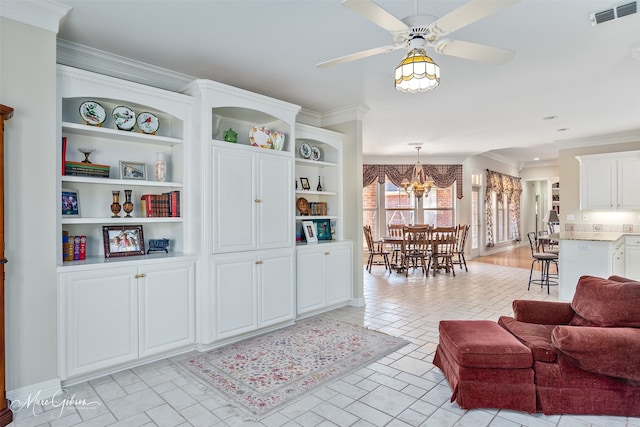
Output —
<point x="375" y="248"/>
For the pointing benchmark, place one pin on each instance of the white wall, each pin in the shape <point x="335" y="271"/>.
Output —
<point x="28" y="84"/>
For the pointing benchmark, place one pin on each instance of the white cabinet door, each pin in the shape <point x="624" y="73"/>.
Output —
<point x="632" y="257"/>
<point x="167" y="317"/>
<point x="275" y="273"/>
<point x="310" y="280"/>
<point x="628" y="179"/>
<point x="234" y="213"/>
<point x="338" y="273"/>
<point x="99" y="317"/>
<point x="275" y="201"/>
<point x="598" y="184"/>
<point x="324" y="275"/>
<point x="234" y="296"/>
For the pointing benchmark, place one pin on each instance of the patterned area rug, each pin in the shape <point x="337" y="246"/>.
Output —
<point x="262" y="374"/>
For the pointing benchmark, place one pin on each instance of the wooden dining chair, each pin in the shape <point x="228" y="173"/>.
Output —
<point x="395" y="230"/>
<point x="415" y="249"/>
<point x="443" y="243"/>
<point x="375" y="248"/>
<point x="461" y="241"/>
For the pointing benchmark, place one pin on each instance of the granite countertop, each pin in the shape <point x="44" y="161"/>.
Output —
<point x="594" y="236"/>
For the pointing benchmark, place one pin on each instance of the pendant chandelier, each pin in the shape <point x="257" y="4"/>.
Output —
<point x="417" y="72"/>
<point x="417" y="185"/>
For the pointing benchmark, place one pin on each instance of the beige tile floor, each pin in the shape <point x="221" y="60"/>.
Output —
<point x="403" y="389"/>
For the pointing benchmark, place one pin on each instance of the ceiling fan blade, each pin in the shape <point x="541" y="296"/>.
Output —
<point x="376" y="14"/>
<point x="474" y="51"/>
<point x="467" y="14"/>
<point x="359" y="55"/>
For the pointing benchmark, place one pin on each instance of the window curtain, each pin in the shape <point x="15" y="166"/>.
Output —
<point x="442" y="175"/>
<point x="502" y="184"/>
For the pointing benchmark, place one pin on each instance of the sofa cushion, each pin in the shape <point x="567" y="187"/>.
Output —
<point x="482" y="344"/>
<point x="607" y="302"/>
<point x="613" y="352"/>
<point x="535" y="336"/>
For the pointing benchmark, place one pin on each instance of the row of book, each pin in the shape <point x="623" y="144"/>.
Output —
<point x="160" y="205"/>
<point x="318" y="208"/>
<point x="86" y="169"/>
<point x="74" y="248"/>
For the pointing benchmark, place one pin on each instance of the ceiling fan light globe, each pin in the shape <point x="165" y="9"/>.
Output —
<point x="417" y="73"/>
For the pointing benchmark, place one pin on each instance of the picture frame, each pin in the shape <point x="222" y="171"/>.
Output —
<point x="133" y="170"/>
<point x="122" y="240"/>
<point x="305" y="183"/>
<point x="323" y="229"/>
<point x="70" y="202"/>
<point x="310" y="233"/>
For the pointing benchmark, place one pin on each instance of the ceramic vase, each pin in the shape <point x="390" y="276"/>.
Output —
<point x="115" y="204"/>
<point x="160" y="167"/>
<point x="127" y="206"/>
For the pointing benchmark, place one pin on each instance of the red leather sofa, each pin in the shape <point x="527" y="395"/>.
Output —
<point x="585" y="355"/>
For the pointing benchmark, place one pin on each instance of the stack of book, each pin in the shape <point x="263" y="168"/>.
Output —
<point x="86" y="169"/>
<point x="160" y="205"/>
<point x="74" y="248"/>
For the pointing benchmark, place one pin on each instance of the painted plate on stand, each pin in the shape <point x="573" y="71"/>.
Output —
<point x="260" y="137"/>
<point x="92" y="113"/>
<point x="315" y="153"/>
<point x="148" y="123"/>
<point x="305" y="150"/>
<point x="124" y="117"/>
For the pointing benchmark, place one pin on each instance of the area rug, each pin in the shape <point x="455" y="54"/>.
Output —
<point x="260" y="375"/>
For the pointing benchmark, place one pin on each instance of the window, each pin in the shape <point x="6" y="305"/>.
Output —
<point x="438" y="207"/>
<point x="399" y="206"/>
<point x="370" y="208"/>
<point x="504" y="227"/>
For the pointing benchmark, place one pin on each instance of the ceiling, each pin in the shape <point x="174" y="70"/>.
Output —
<point x="585" y="77"/>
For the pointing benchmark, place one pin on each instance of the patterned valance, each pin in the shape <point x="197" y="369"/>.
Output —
<point x="442" y="175"/>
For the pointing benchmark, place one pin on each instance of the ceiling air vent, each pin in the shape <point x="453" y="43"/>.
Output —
<point x="613" y="13"/>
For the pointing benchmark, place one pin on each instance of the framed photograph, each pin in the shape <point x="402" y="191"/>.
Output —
<point x="122" y="240"/>
<point x="70" y="202"/>
<point x="133" y="170"/>
<point x="323" y="229"/>
<point x="310" y="232"/>
<point x="305" y="183"/>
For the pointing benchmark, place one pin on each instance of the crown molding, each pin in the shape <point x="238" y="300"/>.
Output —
<point x="343" y="115"/>
<point x="605" y="139"/>
<point x="499" y="158"/>
<point x="90" y="59"/>
<point x="46" y="15"/>
<point x="309" y="117"/>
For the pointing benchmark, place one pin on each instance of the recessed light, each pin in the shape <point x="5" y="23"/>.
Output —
<point x="562" y="129"/>
<point x="549" y="117"/>
<point x="415" y="143"/>
<point x="536" y="158"/>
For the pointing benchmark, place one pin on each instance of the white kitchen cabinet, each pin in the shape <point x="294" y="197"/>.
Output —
<point x="632" y="257"/>
<point x="323" y="276"/>
<point x="252" y="208"/>
<point x="110" y="317"/>
<point x="607" y="181"/>
<point x="251" y="291"/>
<point x="619" y="258"/>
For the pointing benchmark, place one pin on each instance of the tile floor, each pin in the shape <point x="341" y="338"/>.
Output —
<point x="403" y="389"/>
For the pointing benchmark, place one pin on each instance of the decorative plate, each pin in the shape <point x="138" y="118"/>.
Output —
<point x="148" y="123"/>
<point x="315" y="153"/>
<point x="305" y="150"/>
<point x="303" y="206"/>
<point x="93" y="113"/>
<point x="124" y="117"/>
<point x="260" y="137"/>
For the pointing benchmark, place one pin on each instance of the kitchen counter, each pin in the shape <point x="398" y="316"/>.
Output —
<point x="592" y="236"/>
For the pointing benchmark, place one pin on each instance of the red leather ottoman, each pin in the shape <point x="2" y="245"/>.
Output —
<point x="485" y="366"/>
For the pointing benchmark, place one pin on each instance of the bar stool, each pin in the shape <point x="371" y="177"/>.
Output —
<point x="545" y="259"/>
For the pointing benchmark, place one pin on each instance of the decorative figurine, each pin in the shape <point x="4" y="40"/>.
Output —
<point x="230" y="136"/>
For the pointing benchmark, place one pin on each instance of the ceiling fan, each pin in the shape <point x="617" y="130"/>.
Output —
<point x="427" y="30"/>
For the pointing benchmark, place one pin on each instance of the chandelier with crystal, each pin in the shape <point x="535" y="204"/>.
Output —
<point x="417" y="185"/>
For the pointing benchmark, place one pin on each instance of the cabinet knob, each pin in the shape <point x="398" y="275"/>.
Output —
<point x="258" y="262"/>
<point x="257" y="200"/>
<point x="327" y="253"/>
<point x="139" y="276"/>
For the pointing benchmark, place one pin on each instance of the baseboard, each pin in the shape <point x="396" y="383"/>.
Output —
<point x="357" y="302"/>
<point x="39" y="391"/>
